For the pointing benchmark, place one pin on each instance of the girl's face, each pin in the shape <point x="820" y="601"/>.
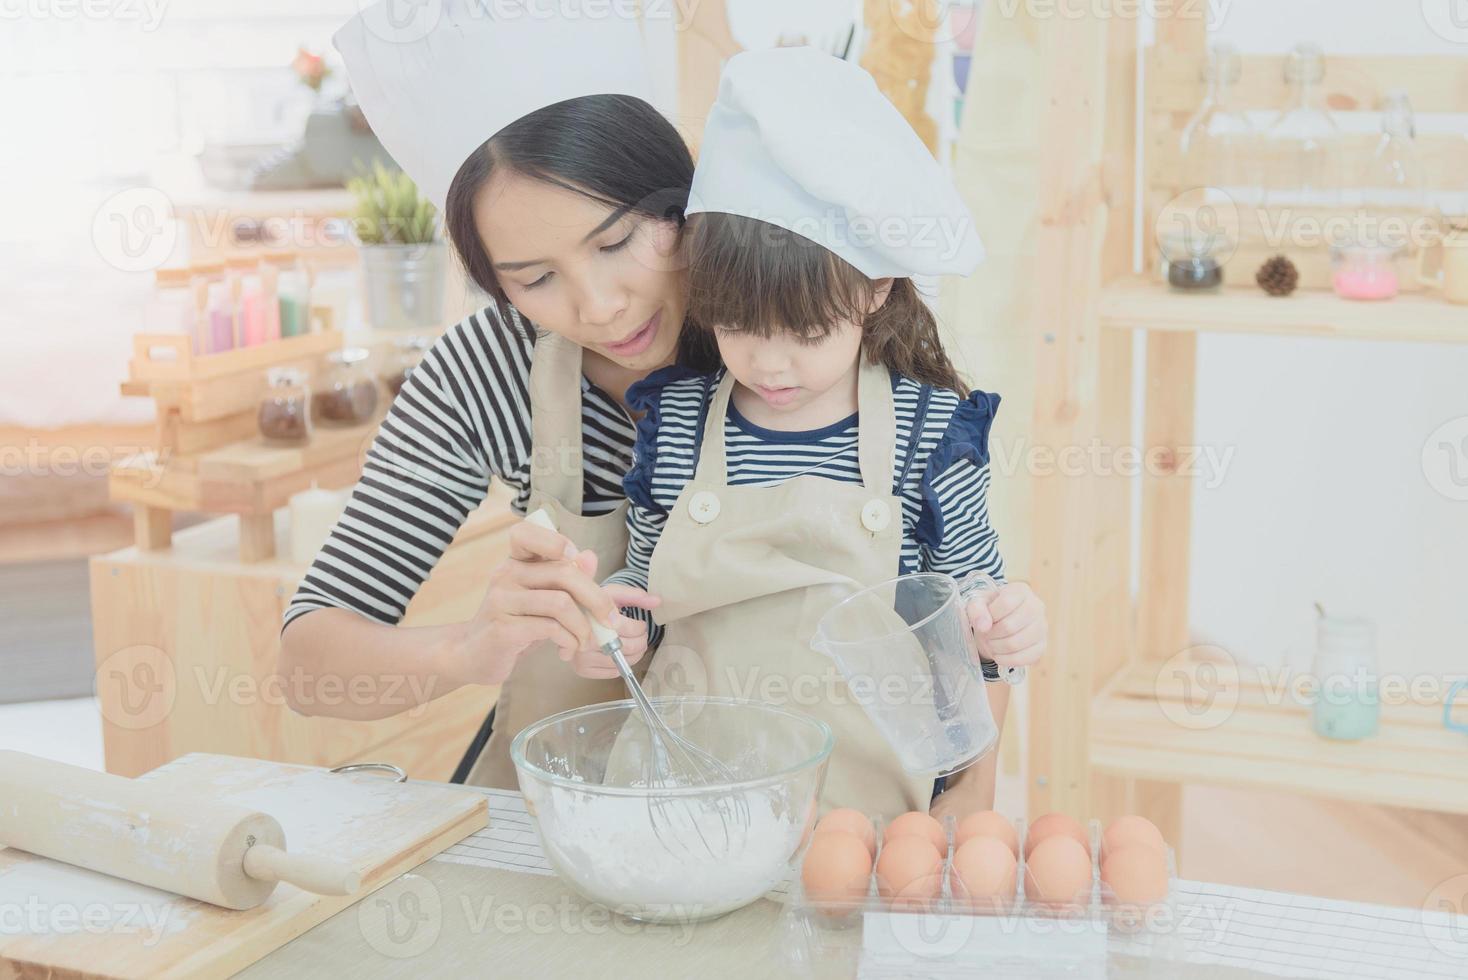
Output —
<point x="608" y="279"/>
<point x="792" y="376"/>
<point x="797" y="379"/>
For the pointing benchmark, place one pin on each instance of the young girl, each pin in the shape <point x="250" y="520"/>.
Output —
<point x="838" y="447"/>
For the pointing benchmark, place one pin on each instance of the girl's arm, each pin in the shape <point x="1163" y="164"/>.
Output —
<point x="957" y="539"/>
<point x="644" y="527"/>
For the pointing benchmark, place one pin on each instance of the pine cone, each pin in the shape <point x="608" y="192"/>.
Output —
<point x="1278" y="276"/>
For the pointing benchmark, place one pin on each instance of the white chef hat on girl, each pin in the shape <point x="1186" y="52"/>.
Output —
<point x="437" y="79"/>
<point x="803" y="140"/>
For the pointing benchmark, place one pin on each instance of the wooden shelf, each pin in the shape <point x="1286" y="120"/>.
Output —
<point x="1135" y="304"/>
<point x="1145" y="725"/>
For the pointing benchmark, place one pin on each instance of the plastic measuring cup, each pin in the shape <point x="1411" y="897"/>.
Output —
<point x="907" y="654"/>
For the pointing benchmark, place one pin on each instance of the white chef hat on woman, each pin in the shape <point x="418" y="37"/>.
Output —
<point x="437" y="79"/>
<point x="803" y="140"/>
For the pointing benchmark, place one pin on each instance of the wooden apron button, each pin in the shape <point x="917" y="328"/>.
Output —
<point x="876" y="515"/>
<point x="703" y="507"/>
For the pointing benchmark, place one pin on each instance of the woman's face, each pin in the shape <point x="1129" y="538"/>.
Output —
<point x="607" y="279"/>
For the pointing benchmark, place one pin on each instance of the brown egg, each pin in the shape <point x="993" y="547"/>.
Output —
<point x="837" y="868"/>
<point x="1136" y="874"/>
<point x="985" y="870"/>
<point x="853" y="822"/>
<point x="917" y="823"/>
<point x="909" y="870"/>
<point x="1056" y="823"/>
<point x="1058" y="870"/>
<point x="988" y="823"/>
<point x="1125" y="831"/>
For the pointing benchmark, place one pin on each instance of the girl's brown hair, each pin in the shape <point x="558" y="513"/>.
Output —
<point x="750" y="276"/>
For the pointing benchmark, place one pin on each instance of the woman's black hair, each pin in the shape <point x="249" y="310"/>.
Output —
<point x="615" y="149"/>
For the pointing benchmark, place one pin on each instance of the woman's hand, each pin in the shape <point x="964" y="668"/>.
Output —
<point x="538" y="594"/>
<point x="1009" y="623"/>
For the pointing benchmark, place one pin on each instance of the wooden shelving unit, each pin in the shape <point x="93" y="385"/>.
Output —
<point x="1237" y="729"/>
<point x="1111" y="727"/>
<point x="209" y="456"/>
<point x="1141" y="304"/>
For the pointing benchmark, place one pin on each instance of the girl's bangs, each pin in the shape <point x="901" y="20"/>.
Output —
<point x="749" y="276"/>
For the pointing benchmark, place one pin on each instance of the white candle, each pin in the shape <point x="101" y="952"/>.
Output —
<point x="313" y="514"/>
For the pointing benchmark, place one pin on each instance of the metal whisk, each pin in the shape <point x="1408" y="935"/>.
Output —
<point x="673" y="762"/>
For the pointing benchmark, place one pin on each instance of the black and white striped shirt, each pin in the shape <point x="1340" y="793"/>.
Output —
<point x="462" y="419"/>
<point x="940" y="467"/>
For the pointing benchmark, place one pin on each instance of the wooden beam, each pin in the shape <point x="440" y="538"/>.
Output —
<point x="1074" y="205"/>
<point x="152" y="527"/>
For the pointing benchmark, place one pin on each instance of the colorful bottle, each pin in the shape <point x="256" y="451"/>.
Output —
<point x="293" y="289"/>
<point x="252" y="310"/>
<point x="219" y="310"/>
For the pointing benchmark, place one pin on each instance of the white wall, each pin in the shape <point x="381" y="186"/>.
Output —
<point x="1326" y="497"/>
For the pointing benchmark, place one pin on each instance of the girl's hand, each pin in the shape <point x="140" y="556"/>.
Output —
<point x="1009" y="624"/>
<point x="537" y="594"/>
<point x="590" y="661"/>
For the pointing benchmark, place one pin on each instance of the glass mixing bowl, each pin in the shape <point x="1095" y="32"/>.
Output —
<point x="673" y="854"/>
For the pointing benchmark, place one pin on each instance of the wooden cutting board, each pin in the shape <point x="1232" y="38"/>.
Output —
<point x="60" y="921"/>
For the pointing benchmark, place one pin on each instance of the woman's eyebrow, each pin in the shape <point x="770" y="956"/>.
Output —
<point x="611" y="219"/>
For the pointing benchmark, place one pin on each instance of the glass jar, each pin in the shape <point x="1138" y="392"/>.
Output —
<point x="1303" y="145"/>
<point x="348" y="394"/>
<point x="407" y="353"/>
<point x="1364" y="271"/>
<point x="1192" y="260"/>
<point x="285" y="408"/>
<point x="1347" y="698"/>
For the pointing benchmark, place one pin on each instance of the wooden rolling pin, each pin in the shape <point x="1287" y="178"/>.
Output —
<point x="180" y="842"/>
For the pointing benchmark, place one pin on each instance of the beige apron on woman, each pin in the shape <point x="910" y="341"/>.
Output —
<point x="542" y="684"/>
<point x="745" y="573"/>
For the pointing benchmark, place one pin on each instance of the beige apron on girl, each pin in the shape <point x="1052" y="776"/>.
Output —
<point x="745" y="573"/>
<point x="542" y="684"/>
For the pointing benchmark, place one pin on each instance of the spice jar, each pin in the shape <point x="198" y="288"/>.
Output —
<point x="1192" y="259"/>
<point x="348" y="395"/>
<point x="285" y="408"/>
<point x="407" y="352"/>
<point x="1364" y="272"/>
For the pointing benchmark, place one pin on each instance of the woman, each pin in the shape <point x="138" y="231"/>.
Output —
<point x="568" y="217"/>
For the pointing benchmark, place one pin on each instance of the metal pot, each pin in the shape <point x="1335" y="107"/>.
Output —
<point x="405" y="285"/>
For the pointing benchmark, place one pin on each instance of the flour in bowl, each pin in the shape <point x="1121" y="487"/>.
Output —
<point x="606" y="846"/>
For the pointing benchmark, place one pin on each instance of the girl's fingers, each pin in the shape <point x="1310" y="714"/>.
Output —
<point x="631" y="595"/>
<point x="531" y="542"/>
<point x="1016" y="621"/>
<point x="1008" y="599"/>
<point x="979" y="615"/>
<point x="1020" y="649"/>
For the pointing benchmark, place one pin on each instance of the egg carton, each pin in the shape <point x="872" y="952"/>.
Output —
<point x="1018" y="935"/>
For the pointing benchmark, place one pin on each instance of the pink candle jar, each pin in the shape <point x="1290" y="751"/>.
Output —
<point x="1364" y="272"/>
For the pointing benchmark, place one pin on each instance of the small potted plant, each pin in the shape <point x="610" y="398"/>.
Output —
<point x="402" y="256"/>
